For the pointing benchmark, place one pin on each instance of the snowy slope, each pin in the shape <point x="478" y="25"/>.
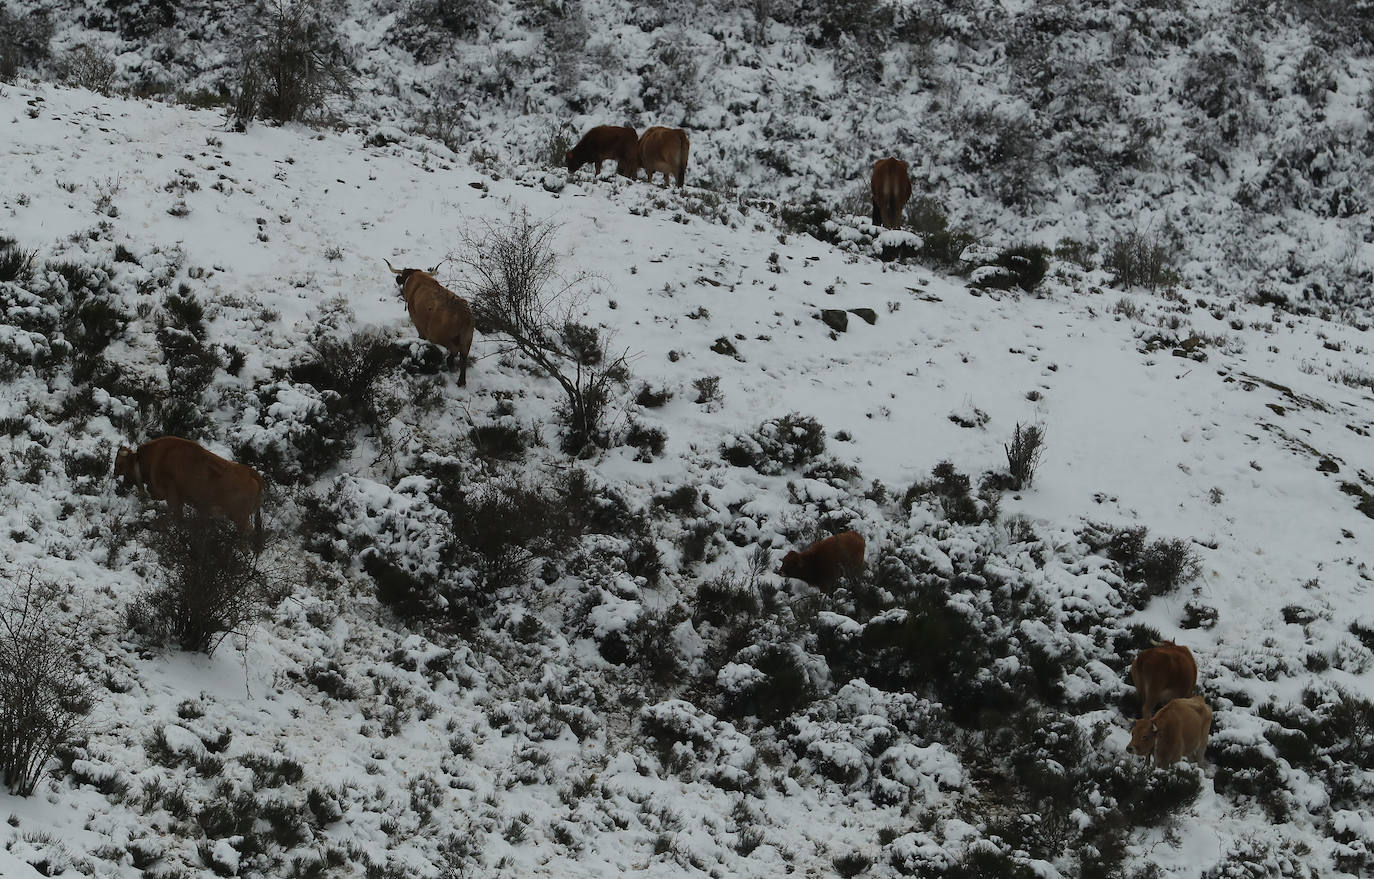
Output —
<point x="472" y="757"/>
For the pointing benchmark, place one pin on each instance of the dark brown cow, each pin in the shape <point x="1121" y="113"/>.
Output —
<point x="664" y="149"/>
<point x="1179" y="729"/>
<point x="1163" y="672"/>
<point x="179" y="471"/>
<point x="603" y="142"/>
<point x="891" y="191"/>
<point x="440" y="315"/>
<point x="825" y="561"/>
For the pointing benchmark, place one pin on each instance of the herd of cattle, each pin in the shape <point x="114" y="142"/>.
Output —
<point x="180" y="471"/>
<point x="664" y="150"/>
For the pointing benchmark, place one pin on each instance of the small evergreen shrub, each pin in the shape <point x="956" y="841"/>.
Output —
<point x="1028" y="262"/>
<point x="778" y="444"/>
<point x="648" y="396"/>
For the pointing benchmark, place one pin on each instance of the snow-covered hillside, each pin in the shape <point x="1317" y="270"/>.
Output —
<point x="1237" y="135"/>
<point x="645" y="694"/>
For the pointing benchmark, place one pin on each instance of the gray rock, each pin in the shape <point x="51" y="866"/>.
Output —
<point x="835" y="318"/>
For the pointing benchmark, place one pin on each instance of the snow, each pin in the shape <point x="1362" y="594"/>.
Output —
<point x="1135" y="436"/>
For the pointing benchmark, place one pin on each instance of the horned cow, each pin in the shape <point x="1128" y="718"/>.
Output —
<point x="825" y="561"/>
<point x="664" y="149"/>
<point x="891" y="190"/>
<point x="618" y="142"/>
<point x="1179" y="729"/>
<point x="1163" y="672"/>
<point x="180" y="471"/>
<point x="440" y="315"/>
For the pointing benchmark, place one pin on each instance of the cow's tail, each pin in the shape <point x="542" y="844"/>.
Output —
<point x="257" y="519"/>
<point x="894" y="212"/>
<point x="682" y="159"/>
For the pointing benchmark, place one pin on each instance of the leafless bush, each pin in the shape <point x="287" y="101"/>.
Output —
<point x="1142" y="259"/>
<point x="44" y="698"/>
<point x="1023" y="454"/>
<point x="517" y="291"/>
<point x="214" y="584"/>
<point x="87" y="67"/>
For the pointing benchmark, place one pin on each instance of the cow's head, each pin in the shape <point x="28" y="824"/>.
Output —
<point x="403" y="275"/>
<point x="792" y="565"/>
<point x="570" y="159"/>
<point x="126" y="467"/>
<point x="1143" y="734"/>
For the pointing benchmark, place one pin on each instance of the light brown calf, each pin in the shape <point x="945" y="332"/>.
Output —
<point x="1179" y="729"/>
<point x="664" y="149"/>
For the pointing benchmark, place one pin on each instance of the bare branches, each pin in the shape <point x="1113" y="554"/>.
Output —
<point x="44" y="698"/>
<point x="516" y="289"/>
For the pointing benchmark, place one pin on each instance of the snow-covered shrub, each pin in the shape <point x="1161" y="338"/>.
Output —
<point x="1142" y="259"/>
<point x="427" y="27"/>
<point x="789" y="441"/>
<point x="771" y="680"/>
<point x="648" y="440"/>
<point x="1028" y="264"/>
<point x="88" y="67"/>
<point x="952" y="490"/>
<point x="294" y="57"/>
<point x="24" y="39"/>
<point x="1219" y="80"/>
<point x="190" y="365"/>
<point x="291" y="436"/>
<point x="1161" y="566"/>
<point x="670" y="81"/>
<point x="44" y="696"/>
<point x="213" y="584"/>
<point x="941" y="245"/>
<point x="809" y="218"/>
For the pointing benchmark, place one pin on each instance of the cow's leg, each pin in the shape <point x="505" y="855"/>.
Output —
<point x="681" y="176"/>
<point x="877" y="214"/>
<point x="462" y="369"/>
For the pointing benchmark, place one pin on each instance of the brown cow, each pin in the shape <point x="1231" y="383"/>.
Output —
<point x="179" y="471"/>
<point x="440" y="315"/>
<point x="1163" y="672"/>
<point x="891" y="190"/>
<point x="664" y="149"/>
<point x="604" y="142"/>
<point x="825" y="561"/>
<point x="1177" y="730"/>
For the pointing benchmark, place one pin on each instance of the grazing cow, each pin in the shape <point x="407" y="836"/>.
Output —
<point x="604" y="142"/>
<point x="179" y="471"/>
<point x="440" y="315"/>
<point x="825" y="561"/>
<point x="1177" y="730"/>
<point x="891" y="190"/>
<point x="1163" y="672"/>
<point x="664" y="149"/>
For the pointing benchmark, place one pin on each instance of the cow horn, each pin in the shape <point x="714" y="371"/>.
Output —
<point x="436" y="267"/>
<point x="394" y="270"/>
